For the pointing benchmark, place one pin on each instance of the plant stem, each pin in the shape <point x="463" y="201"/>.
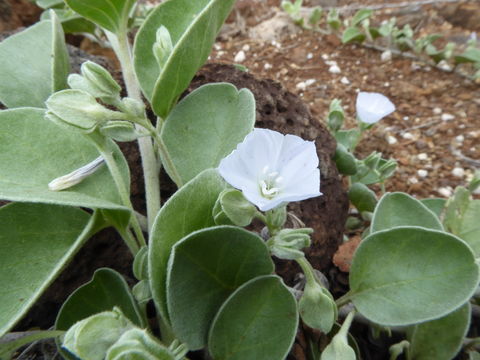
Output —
<point x="307" y="270"/>
<point x="124" y="195"/>
<point x="121" y="46"/>
<point x="345" y="299"/>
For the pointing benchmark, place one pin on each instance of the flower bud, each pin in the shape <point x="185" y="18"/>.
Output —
<point x="339" y="347"/>
<point x="76" y="176"/>
<point x="90" y="338"/>
<point x="78" y="109"/>
<point x="317" y="307"/>
<point x="134" y="107"/>
<point x="288" y="243"/>
<point x="140" y="264"/>
<point x="140" y="345"/>
<point x="141" y="291"/>
<point x="372" y="160"/>
<point x="95" y="80"/>
<point x="162" y="48"/>
<point x="231" y="208"/>
<point x="121" y="131"/>
<point x="277" y="217"/>
<point x="345" y="161"/>
<point x="387" y="169"/>
<point x="335" y="115"/>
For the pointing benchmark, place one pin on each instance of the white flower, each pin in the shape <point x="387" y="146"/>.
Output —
<point x="371" y="107"/>
<point x="271" y="169"/>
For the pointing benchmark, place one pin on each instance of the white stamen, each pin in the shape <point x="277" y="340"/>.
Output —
<point x="76" y="176"/>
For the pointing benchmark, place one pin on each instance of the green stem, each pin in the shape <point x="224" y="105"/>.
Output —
<point x="124" y="194"/>
<point x="129" y="239"/>
<point x="307" y="270"/>
<point x="121" y="46"/>
<point x="346" y="324"/>
<point x="345" y="299"/>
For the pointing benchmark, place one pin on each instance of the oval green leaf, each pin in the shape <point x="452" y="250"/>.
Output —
<point x="108" y="289"/>
<point x="353" y="34"/>
<point x="29" y="142"/>
<point x="36" y="242"/>
<point x="362" y="197"/>
<point x="204" y="269"/>
<point x="188" y="210"/>
<point x="33" y="64"/>
<point x="400" y="209"/>
<point x="440" y="339"/>
<point x="206" y="126"/>
<point x="437" y="205"/>
<point x="396" y="272"/>
<point x="193" y="26"/>
<point x="109" y="14"/>
<point x="258" y="321"/>
<point x="470" y="226"/>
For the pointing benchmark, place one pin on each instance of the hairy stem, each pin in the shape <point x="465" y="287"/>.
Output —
<point x="121" y="46"/>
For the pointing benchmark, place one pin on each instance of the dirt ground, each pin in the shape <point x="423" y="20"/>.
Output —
<point x="434" y="134"/>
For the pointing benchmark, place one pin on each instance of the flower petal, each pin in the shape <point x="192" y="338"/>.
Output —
<point x="371" y="107"/>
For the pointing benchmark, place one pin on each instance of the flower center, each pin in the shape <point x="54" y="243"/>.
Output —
<point x="270" y="183"/>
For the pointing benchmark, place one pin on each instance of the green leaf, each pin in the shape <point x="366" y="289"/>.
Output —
<point x="361" y="15"/>
<point x="440" y="339"/>
<point x="204" y="269"/>
<point x="436" y="205"/>
<point x="188" y="210"/>
<point x="400" y="209"/>
<point x="12" y="341"/>
<point x="109" y="289"/>
<point x="258" y="321"/>
<point x="29" y="142"/>
<point x="34" y="63"/>
<point x="362" y="197"/>
<point x="353" y="34"/>
<point x="109" y="14"/>
<point x="71" y="21"/>
<point x="348" y="138"/>
<point x="36" y="242"/>
<point x="471" y="55"/>
<point x="46" y="4"/>
<point x="396" y="272"/>
<point x="206" y="126"/>
<point x="470" y="226"/>
<point x="193" y="26"/>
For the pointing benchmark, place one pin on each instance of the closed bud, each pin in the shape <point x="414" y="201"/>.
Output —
<point x="339" y="347"/>
<point x="162" y="48"/>
<point x="90" y="338"/>
<point x="232" y="208"/>
<point x="140" y="264"/>
<point x="121" y="131"/>
<point x="276" y="218"/>
<point x="288" y="243"/>
<point x="134" y="107"/>
<point x="387" y="169"/>
<point x="76" y="176"/>
<point x="95" y="80"/>
<point x="141" y="291"/>
<point x="78" y="109"/>
<point x="372" y="160"/>
<point x="345" y="161"/>
<point x="335" y="115"/>
<point x="317" y="307"/>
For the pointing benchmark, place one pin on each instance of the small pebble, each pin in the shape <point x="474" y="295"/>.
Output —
<point x="217" y="46"/>
<point x="391" y="139"/>
<point x="458" y="172"/>
<point x="344" y="81"/>
<point x="324" y="56"/>
<point x="309" y="56"/>
<point x="246" y="47"/>
<point x="407" y="136"/>
<point x="334" y="69"/>
<point x="240" y="57"/>
<point x="386" y="55"/>
<point x="406" y="118"/>
<point x="413" y="180"/>
<point x="437" y="111"/>
<point x="447" y="117"/>
<point x="310" y="82"/>
<point x="460" y="138"/>
<point x="267" y="66"/>
<point x="422" y="156"/>
<point x="445" y="191"/>
<point x="387" y="84"/>
<point x="444" y="66"/>
<point x="422" y="173"/>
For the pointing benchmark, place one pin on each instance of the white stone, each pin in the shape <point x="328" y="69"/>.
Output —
<point x="444" y="66"/>
<point x="413" y="180"/>
<point x="447" y="117"/>
<point x="458" y="172"/>
<point x="309" y="82"/>
<point x="406" y="118"/>
<point x="422" y="156"/>
<point x="334" y="69"/>
<point x="267" y="66"/>
<point x="324" y="56"/>
<point x="246" y="47"/>
<point x="422" y="173"/>
<point x="309" y="56"/>
<point x="391" y="139"/>
<point x="437" y="111"/>
<point x="386" y="55"/>
<point x="240" y="57"/>
<point x="301" y="85"/>
<point x="407" y="136"/>
<point x="445" y="191"/>
<point x="460" y="138"/>
<point x="344" y="81"/>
